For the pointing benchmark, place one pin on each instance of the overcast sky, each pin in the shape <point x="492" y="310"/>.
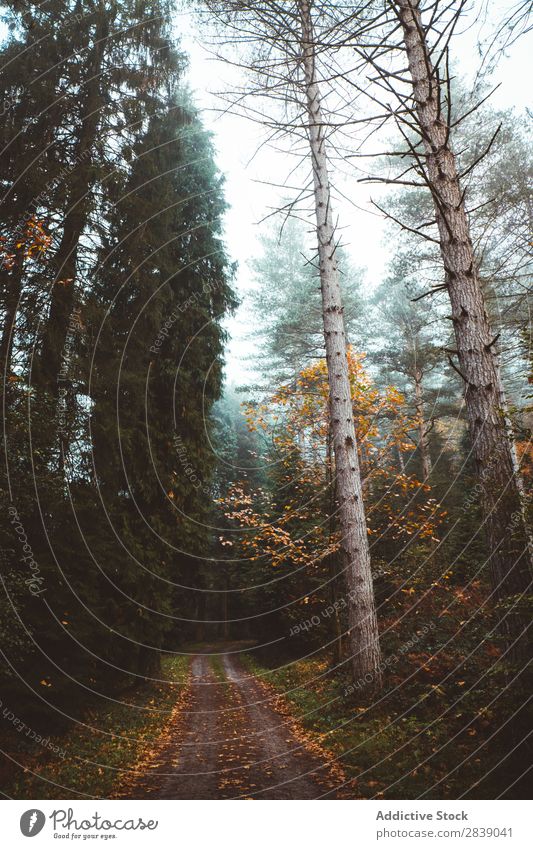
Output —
<point x="247" y="172"/>
<point x="237" y="140"/>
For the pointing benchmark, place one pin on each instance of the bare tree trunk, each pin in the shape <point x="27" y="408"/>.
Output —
<point x="492" y="440"/>
<point x="401" y="460"/>
<point x="13" y="284"/>
<point x="423" y="445"/>
<point x="362" y="620"/>
<point x="331" y="558"/>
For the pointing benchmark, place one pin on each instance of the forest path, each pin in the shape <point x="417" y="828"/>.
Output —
<point x="229" y="740"/>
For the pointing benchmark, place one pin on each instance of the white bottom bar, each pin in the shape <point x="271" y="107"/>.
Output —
<point x="268" y="824"/>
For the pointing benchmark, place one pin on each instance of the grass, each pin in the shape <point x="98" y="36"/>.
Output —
<point x="94" y="756"/>
<point x="217" y="668"/>
<point x="413" y="743"/>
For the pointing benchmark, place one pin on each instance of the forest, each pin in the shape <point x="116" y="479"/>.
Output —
<point x="302" y="570"/>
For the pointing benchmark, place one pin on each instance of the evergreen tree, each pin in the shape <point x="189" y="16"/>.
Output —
<point x="117" y="512"/>
<point x="408" y="347"/>
<point x="286" y="302"/>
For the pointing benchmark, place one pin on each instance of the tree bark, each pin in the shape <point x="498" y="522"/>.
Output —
<point x="401" y="460"/>
<point x="423" y="445"/>
<point x="13" y="283"/>
<point x="362" y="620"/>
<point x="332" y="565"/>
<point x="66" y="258"/>
<point x="492" y="441"/>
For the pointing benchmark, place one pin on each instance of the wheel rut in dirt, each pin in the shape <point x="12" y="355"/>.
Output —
<point x="229" y="740"/>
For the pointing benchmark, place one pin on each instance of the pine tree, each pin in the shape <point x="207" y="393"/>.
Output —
<point x="161" y="294"/>
<point x="479" y="366"/>
<point x="286" y="302"/>
<point x="115" y="520"/>
<point x="408" y="347"/>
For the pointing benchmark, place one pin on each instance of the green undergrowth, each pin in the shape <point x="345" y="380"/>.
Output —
<point x="217" y="668"/>
<point x="429" y="735"/>
<point x="90" y="758"/>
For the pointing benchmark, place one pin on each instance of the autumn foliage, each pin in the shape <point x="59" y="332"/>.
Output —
<point x="31" y="242"/>
<point x="292" y="521"/>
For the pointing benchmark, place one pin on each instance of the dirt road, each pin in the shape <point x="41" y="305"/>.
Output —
<point x="229" y="740"/>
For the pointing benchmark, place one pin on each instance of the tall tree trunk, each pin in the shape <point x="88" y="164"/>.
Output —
<point x="362" y="620"/>
<point x="13" y="284"/>
<point x="401" y="460"/>
<point x="66" y="258"/>
<point x="492" y="440"/>
<point x="331" y="558"/>
<point x="423" y="445"/>
<point x="225" y="607"/>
